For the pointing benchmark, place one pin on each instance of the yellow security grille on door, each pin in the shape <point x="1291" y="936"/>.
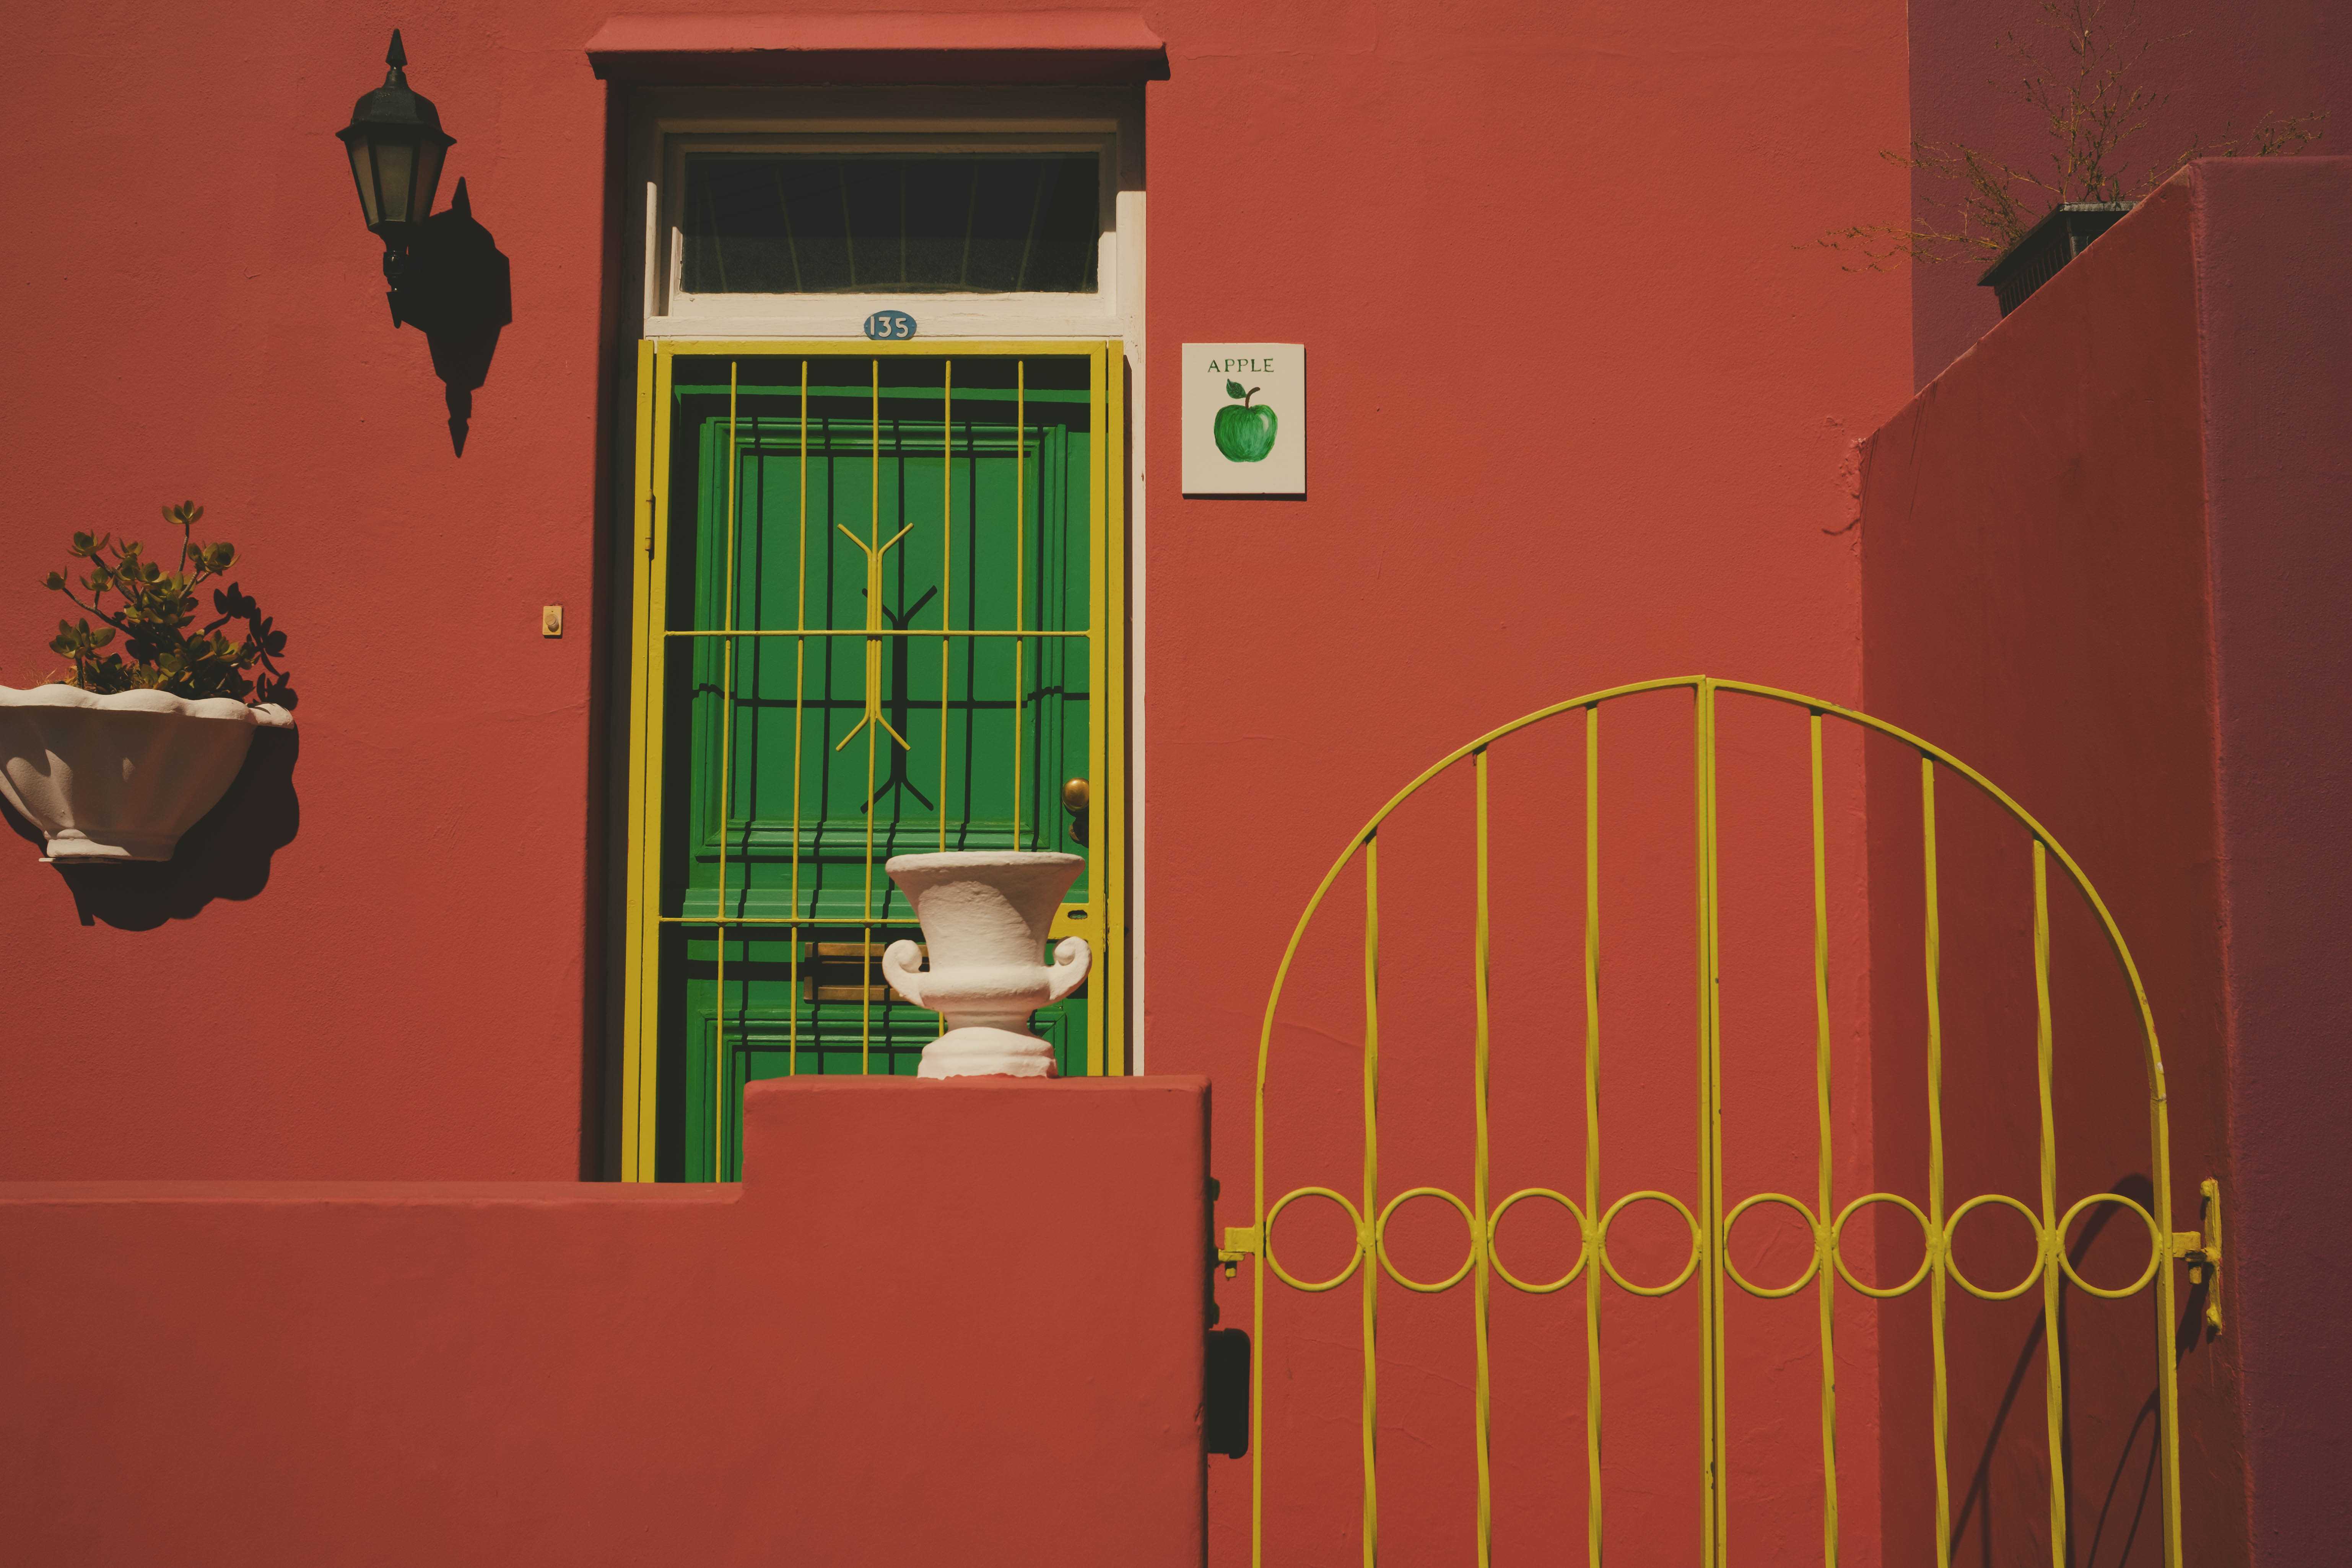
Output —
<point x="875" y="613"/>
<point x="1711" y="1212"/>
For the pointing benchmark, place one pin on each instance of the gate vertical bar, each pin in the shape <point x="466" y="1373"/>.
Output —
<point x="2053" y="1383"/>
<point x="1715" y="1522"/>
<point x="947" y="589"/>
<point x="1705" y="1317"/>
<point x="1592" y="1269"/>
<point x="800" y="690"/>
<point x="1821" y="1094"/>
<point x="652" y="823"/>
<point x="1106" y="1050"/>
<point x="637" y="1047"/>
<point x="1483" y="1282"/>
<point x="1365" y="1246"/>
<point x="726" y="798"/>
<point x="1937" y="1261"/>
<point x="2168" y="1358"/>
<point x="1020" y="575"/>
<point x="873" y="689"/>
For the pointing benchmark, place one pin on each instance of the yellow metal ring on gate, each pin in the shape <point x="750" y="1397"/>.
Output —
<point x="1821" y="1240"/>
<point x="1952" y="1259"/>
<point x="1381" y="1240"/>
<point x="1356" y="1220"/>
<point x="1932" y="1244"/>
<point x="1670" y="1286"/>
<point x="2155" y="1248"/>
<point x="1495" y="1252"/>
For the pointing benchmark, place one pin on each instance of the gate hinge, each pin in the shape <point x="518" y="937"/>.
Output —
<point x="1240" y="1241"/>
<point x="2202" y="1250"/>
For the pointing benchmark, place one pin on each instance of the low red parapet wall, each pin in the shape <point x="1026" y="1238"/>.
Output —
<point x="939" y="1322"/>
<point x="2103" y="558"/>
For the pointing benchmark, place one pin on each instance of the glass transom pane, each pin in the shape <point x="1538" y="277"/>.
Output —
<point x="788" y="222"/>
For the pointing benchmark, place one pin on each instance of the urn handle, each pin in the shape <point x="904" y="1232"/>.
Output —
<point x="900" y="961"/>
<point x="1072" y="959"/>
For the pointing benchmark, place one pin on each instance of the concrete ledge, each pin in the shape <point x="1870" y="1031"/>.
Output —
<point x="909" y="48"/>
<point x="939" y="1322"/>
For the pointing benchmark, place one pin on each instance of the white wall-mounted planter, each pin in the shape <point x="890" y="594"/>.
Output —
<point x="119" y="777"/>
<point x="985" y="914"/>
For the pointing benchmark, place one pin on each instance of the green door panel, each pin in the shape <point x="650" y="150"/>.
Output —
<point x="815" y="729"/>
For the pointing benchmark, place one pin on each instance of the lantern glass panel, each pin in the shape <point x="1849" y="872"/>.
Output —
<point x="428" y="175"/>
<point x="363" y="176"/>
<point x="395" y="164"/>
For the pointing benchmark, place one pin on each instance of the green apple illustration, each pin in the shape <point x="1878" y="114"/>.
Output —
<point x="1243" y="432"/>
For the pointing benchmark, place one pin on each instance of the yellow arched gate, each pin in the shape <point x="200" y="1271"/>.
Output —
<point x="1714" y="1211"/>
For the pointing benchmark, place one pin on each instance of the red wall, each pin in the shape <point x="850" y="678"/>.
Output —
<point x="1584" y="401"/>
<point x="1531" y="248"/>
<point x="1586" y="396"/>
<point x="2033" y="569"/>
<point x="397" y="992"/>
<point x="936" y="1324"/>
<point x="2100" y="561"/>
<point x="2278" y="396"/>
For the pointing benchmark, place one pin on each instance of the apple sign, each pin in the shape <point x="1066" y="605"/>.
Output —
<point x="1243" y="432"/>
<point x="1244" y="425"/>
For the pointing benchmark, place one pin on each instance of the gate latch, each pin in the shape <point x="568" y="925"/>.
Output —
<point x="2202" y="1250"/>
<point x="1240" y="1241"/>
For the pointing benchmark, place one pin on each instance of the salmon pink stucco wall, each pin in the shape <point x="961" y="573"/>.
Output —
<point x="2033" y="542"/>
<point x="2104" y="557"/>
<point x="935" y="1323"/>
<point x="374" y="965"/>
<point x="1584" y="402"/>
<point x="1586" y="396"/>
<point x="1535" y="250"/>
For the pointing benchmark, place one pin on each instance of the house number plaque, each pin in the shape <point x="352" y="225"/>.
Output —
<point x="889" y="326"/>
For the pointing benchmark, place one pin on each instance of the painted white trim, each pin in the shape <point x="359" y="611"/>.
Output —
<point x="1131" y="255"/>
<point x="841" y="317"/>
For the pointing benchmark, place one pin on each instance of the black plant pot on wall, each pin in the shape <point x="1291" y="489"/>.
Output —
<point x="2048" y="245"/>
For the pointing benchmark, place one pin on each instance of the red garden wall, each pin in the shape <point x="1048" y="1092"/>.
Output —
<point x="938" y="1323"/>
<point x="2101" y="561"/>
<point x="1504" y="230"/>
<point x="1586" y="396"/>
<point x="1586" y="393"/>
<point x="2277" y="384"/>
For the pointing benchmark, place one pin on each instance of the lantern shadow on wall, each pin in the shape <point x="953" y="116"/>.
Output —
<point x="461" y="296"/>
<point x="443" y="272"/>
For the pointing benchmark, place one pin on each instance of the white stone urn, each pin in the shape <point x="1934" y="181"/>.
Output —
<point x="119" y="777"/>
<point x="985" y="914"/>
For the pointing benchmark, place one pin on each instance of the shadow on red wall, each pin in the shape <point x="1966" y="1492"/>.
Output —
<point x="226" y="855"/>
<point x="463" y="297"/>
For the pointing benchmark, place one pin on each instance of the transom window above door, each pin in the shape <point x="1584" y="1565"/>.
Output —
<point x="999" y="214"/>
<point x="973" y="222"/>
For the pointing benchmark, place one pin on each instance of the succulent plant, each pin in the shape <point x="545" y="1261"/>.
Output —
<point x="154" y="616"/>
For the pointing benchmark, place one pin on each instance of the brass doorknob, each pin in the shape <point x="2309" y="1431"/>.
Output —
<point x="1075" y="796"/>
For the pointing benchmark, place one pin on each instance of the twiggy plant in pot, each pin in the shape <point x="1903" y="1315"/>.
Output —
<point x="2080" y="71"/>
<point x="116" y="756"/>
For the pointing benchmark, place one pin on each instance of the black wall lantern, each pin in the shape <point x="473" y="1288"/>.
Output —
<point x="397" y="145"/>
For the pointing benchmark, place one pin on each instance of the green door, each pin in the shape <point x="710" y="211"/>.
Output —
<point x="880" y="584"/>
